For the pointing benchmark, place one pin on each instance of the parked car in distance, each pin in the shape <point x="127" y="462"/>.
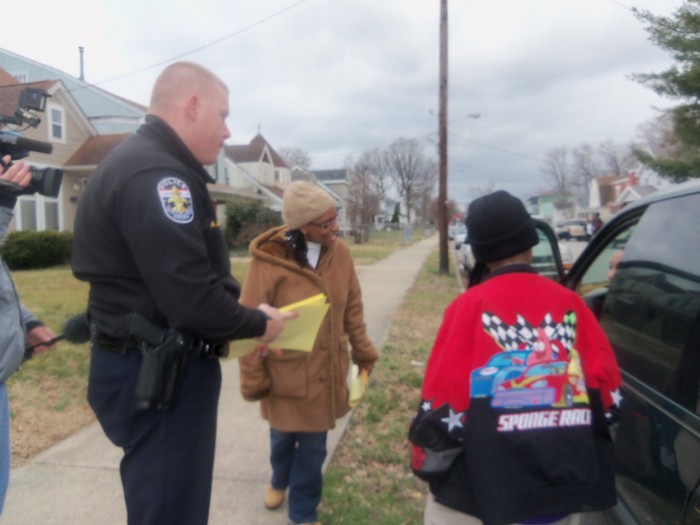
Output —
<point x="456" y="229"/>
<point x="572" y="229"/>
<point x="460" y="240"/>
<point x="648" y="304"/>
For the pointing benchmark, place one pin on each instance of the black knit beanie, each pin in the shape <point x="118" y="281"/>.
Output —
<point x="499" y="226"/>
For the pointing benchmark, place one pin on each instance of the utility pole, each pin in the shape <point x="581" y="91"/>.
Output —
<point x="442" y="147"/>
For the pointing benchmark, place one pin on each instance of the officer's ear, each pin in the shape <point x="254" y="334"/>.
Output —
<point x="192" y="105"/>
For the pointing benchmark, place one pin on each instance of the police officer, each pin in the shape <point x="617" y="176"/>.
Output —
<point x="147" y="240"/>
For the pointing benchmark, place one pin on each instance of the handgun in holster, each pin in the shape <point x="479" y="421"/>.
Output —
<point x="163" y="352"/>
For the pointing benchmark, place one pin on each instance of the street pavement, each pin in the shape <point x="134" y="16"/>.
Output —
<point x="76" y="482"/>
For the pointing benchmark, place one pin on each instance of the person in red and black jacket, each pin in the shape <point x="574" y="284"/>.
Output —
<point x="512" y="424"/>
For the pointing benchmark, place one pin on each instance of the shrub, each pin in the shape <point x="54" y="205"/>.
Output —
<point x="25" y="250"/>
<point x="247" y="220"/>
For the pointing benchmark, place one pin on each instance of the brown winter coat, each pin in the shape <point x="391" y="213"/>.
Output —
<point x="302" y="391"/>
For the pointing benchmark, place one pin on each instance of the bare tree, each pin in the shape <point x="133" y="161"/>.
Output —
<point x="295" y="157"/>
<point x="413" y="174"/>
<point x="452" y="211"/>
<point x="557" y="168"/>
<point x="376" y="161"/>
<point x="364" y="197"/>
<point x="585" y="168"/>
<point x="617" y="160"/>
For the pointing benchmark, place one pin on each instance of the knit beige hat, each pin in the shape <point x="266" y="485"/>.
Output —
<point x="303" y="202"/>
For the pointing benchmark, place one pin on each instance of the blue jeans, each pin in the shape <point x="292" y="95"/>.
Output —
<point x="297" y="461"/>
<point x="4" y="444"/>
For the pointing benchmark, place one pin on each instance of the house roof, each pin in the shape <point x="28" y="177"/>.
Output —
<point x="106" y="113"/>
<point x="254" y="151"/>
<point x="6" y="78"/>
<point x="332" y="175"/>
<point x="95" y="149"/>
<point x="634" y="193"/>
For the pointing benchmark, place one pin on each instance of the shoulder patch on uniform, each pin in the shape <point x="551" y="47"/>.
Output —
<point x="176" y="199"/>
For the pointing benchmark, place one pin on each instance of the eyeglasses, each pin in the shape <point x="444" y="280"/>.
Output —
<point x="326" y="225"/>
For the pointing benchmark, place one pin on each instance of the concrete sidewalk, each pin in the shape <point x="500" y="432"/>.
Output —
<point x="77" y="481"/>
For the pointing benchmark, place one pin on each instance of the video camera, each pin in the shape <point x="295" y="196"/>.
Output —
<point x="45" y="181"/>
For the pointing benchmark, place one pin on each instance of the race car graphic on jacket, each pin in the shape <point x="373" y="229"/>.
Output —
<point x="540" y="367"/>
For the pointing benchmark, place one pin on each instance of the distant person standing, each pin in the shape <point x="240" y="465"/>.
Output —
<point x="597" y="223"/>
<point x="162" y="301"/>
<point x="511" y="426"/>
<point x="589" y="230"/>
<point x="302" y="394"/>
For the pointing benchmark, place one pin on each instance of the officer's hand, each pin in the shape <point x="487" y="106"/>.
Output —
<point x="18" y="173"/>
<point x="275" y="325"/>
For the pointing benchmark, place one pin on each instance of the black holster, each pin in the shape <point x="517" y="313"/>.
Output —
<point x="163" y="362"/>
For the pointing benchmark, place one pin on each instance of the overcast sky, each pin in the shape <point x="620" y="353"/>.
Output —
<point x="338" y="77"/>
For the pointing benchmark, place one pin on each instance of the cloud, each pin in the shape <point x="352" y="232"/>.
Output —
<point x="337" y="77"/>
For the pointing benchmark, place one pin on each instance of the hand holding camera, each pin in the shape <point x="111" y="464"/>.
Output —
<point x="18" y="174"/>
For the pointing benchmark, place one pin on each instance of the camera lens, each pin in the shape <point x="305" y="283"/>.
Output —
<point x="46" y="181"/>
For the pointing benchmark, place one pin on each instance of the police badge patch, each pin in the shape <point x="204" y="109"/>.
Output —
<point x="176" y="199"/>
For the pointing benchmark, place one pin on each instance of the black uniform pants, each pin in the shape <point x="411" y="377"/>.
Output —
<point x="168" y="458"/>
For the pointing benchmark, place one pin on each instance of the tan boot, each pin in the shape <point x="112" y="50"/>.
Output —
<point x="273" y="498"/>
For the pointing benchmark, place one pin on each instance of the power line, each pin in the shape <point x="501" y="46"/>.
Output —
<point x="495" y="148"/>
<point x="205" y="46"/>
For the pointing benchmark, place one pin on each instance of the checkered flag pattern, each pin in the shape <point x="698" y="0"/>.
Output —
<point x="512" y="337"/>
<point x="508" y="337"/>
<point x="564" y="331"/>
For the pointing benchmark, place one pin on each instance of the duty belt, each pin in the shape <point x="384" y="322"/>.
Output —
<point x="199" y="347"/>
<point x="144" y="333"/>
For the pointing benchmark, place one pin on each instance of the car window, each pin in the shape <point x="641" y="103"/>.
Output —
<point x="602" y="268"/>
<point x="651" y="312"/>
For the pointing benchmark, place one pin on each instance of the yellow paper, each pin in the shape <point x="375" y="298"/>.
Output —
<point x="299" y="333"/>
<point x="358" y="385"/>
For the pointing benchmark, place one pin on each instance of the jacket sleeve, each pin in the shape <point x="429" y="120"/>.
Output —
<point x="435" y="430"/>
<point x="598" y="360"/>
<point x="12" y="332"/>
<point x="364" y="354"/>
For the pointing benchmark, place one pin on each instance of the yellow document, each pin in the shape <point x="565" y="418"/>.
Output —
<point x="358" y="385"/>
<point x="299" y="334"/>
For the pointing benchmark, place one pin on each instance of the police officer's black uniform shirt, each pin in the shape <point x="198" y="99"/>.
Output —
<point x="147" y="240"/>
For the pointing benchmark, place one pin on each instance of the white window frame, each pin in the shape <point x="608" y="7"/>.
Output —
<point x="40" y="202"/>
<point x="50" y="122"/>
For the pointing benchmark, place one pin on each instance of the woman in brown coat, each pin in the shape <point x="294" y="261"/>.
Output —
<point x="302" y="394"/>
